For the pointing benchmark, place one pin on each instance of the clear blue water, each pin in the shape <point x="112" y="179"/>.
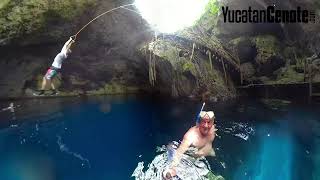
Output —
<point x="105" y="137"/>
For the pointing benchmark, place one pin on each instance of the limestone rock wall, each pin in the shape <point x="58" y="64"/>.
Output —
<point x="118" y="53"/>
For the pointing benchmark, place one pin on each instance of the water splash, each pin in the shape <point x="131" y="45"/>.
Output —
<point x="241" y="130"/>
<point x="189" y="168"/>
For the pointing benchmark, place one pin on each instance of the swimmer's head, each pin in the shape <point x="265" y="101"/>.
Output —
<point x="206" y="122"/>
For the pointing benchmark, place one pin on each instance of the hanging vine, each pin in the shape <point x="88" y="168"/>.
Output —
<point x="152" y="61"/>
<point x="224" y="71"/>
<point x="152" y="68"/>
<point x="210" y="59"/>
<point x="193" y="46"/>
<point x="174" y="91"/>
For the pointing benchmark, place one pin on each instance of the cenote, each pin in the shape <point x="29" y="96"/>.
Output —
<point x="105" y="137"/>
<point x="113" y="90"/>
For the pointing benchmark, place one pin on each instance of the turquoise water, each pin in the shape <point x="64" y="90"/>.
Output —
<point x="105" y="137"/>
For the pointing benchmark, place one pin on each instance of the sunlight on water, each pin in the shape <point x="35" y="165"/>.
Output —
<point x="273" y="159"/>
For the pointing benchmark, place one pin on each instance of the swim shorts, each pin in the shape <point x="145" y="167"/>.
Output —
<point x="51" y="73"/>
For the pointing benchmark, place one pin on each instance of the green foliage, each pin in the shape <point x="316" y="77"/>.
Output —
<point x="213" y="7"/>
<point x="210" y="16"/>
<point x="267" y="46"/>
<point x="188" y="66"/>
<point x="288" y="75"/>
<point x="68" y="9"/>
<point x="115" y="88"/>
<point x="3" y="3"/>
<point x="19" y="17"/>
<point x="236" y="41"/>
<point x="267" y="43"/>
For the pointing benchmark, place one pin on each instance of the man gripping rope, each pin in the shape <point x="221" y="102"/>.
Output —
<point x="55" y="68"/>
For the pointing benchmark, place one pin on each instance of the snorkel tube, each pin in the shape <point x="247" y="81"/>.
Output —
<point x="198" y="117"/>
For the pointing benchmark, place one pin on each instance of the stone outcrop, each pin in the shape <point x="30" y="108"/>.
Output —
<point x="118" y="53"/>
<point x="193" y="74"/>
<point x="105" y="60"/>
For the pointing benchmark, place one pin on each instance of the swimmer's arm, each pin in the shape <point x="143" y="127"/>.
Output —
<point x="7" y="108"/>
<point x="211" y="150"/>
<point x="185" y="144"/>
<point x="67" y="45"/>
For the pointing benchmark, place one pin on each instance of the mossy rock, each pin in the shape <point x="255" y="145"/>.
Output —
<point x="132" y="89"/>
<point x="300" y="64"/>
<point x="77" y="81"/>
<point x="114" y="88"/>
<point x="213" y="7"/>
<point x="288" y="52"/>
<point x="288" y="75"/>
<point x="3" y="3"/>
<point x="244" y="47"/>
<point x="189" y="66"/>
<point x="100" y="91"/>
<point x="166" y="50"/>
<point x="275" y="103"/>
<point x="20" y="17"/>
<point x="68" y="94"/>
<point x="209" y="18"/>
<point x="267" y="46"/>
<point x="236" y="41"/>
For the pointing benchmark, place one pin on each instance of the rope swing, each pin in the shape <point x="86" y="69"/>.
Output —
<point x="74" y="37"/>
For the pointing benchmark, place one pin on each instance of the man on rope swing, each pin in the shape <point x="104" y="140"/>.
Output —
<point x="55" y="68"/>
<point x="200" y="136"/>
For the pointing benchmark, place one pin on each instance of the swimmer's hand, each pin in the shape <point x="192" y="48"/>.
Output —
<point x="214" y="128"/>
<point x="212" y="153"/>
<point x="72" y="39"/>
<point x="169" y="173"/>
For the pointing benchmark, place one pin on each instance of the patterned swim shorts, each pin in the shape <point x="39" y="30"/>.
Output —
<point x="51" y="73"/>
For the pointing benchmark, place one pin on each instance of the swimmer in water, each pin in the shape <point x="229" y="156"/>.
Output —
<point x="200" y="136"/>
<point x="10" y="108"/>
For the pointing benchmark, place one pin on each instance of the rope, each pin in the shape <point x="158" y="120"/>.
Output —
<point x="74" y="37"/>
